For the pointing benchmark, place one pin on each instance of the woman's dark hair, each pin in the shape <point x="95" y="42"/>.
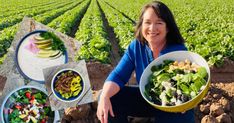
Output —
<point x="163" y="12"/>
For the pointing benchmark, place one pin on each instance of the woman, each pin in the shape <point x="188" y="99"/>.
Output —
<point x="156" y="34"/>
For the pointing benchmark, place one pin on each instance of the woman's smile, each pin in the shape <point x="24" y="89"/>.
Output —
<point x="153" y="34"/>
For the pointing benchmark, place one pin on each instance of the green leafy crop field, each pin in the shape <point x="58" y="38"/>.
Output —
<point x="207" y="26"/>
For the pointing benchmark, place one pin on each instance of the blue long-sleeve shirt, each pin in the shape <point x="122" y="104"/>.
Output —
<point x="137" y="57"/>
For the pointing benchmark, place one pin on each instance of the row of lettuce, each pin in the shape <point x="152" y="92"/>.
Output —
<point x="206" y="31"/>
<point x="11" y="18"/>
<point x="67" y="21"/>
<point x="92" y="33"/>
<point x="48" y="18"/>
<point x="22" y="5"/>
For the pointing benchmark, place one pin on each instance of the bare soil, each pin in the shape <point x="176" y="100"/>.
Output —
<point x="218" y="105"/>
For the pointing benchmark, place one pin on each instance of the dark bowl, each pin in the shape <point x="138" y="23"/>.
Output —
<point x="57" y="94"/>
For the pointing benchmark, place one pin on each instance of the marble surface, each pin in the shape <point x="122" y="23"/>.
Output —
<point x="2" y="83"/>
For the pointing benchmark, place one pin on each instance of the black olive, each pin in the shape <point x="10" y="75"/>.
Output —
<point x="184" y="98"/>
<point x="163" y="88"/>
<point x="179" y="97"/>
<point x="170" y="104"/>
<point x="173" y="82"/>
<point x="174" y="94"/>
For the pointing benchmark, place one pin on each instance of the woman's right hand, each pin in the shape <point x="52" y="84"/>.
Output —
<point x="104" y="107"/>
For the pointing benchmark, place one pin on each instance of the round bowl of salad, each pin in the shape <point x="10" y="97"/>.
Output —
<point x="27" y="104"/>
<point x="67" y="85"/>
<point x="176" y="81"/>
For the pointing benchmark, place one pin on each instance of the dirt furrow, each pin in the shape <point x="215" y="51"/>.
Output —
<point x="115" y="57"/>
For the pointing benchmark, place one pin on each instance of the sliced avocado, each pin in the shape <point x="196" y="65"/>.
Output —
<point x="47" y="48"/>
<point x="37" y="37"/>
<point x="43" y="46"/>
<point x="57" y="56"/>
<point x="54" y="53"/>
<point x="44" y="51"/>
<point x="49" y="54"/>
<point x="43" y="42"/>
<point x="43" y="55"/>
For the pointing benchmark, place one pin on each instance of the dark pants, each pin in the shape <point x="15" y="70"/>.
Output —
<point x="129" y="102"/>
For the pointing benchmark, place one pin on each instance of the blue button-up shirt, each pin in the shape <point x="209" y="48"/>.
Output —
<point x="137" y="57"/>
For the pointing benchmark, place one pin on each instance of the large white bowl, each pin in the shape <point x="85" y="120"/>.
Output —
<point x="179" y="56"/>
<point x="29" y="65"/>
<point x="7" y="101"/>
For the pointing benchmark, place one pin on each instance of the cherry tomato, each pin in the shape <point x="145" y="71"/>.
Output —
<point x="28" y="95"/>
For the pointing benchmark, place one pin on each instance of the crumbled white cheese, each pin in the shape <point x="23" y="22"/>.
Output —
<point x="202" y="87"/>
<point x="163" y="98"/>
<point x="178" y="102"/>
<point x="178" y="92"/>
<point x="167" y="85"/>
<point x="173" y="99"/>
<point x="192" y="94"/>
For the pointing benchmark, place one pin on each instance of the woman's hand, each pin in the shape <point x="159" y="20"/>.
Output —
<point x="104" y="104"/>
<point x="104" y="107"/>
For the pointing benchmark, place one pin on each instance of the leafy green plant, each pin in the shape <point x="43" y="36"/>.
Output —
<point x="94" y="36"/>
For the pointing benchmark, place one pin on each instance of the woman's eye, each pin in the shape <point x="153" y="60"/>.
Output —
<point x="147" y="22"/>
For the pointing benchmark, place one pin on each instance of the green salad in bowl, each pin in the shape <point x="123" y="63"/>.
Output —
<point x="175" y="82"/>
<point x="27" y="104"/>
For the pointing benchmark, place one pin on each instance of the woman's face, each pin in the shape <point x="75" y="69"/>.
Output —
<point x="154" y="28"/>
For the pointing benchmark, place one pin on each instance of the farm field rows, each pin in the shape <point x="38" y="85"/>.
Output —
<point x="206" y="31"/>
<point x="106" y="27"/>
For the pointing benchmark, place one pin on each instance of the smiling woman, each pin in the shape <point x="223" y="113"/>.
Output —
<point x="157" y="27"/>
<point x="154" y="31"/>
<point x="156" y="34"/>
